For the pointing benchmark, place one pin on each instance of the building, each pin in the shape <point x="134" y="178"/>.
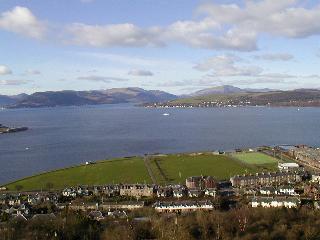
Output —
<point x="288" y="166"/>
<point x="194" y="192"/>
<point x="265" y="179"/>
<point x="136" y="190"/>
<point x="186" y="206"/>
<point x="315" y="178"/>
<point x="267" y="190"/>
<point x="286" y="190"/>
<point x="212" y="192"/>
<point x="201" y="182"/>
<point x="268" y="202"/>
<point x="122" y="205"/>
<point x="308" y="156"/>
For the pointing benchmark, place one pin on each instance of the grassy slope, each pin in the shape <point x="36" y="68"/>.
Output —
<point x="133" y="170"/>
<point x="219" y="166"/>
<point x="255" y="158"/>
<point x="119" y="170"/>
<point x="275" y="97"/>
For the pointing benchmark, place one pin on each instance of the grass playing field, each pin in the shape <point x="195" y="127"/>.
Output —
<point x="255" y="158"/>
<point x="173" y="168"/>
<point x="176" y="168"/>
<point x="128" y="170"/>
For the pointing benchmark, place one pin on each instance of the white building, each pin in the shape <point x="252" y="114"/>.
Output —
<point x="286" y="190"/>
<point x="315" y="178"/>
<point x="267" y="202"/>
<point x="288" y="166"/>
<point x="188" y="206"/>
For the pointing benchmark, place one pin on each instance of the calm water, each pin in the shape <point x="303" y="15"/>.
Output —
<point x="65" y="136"/>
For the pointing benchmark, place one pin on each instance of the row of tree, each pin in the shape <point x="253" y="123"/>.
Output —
<point x="242" y="223"/>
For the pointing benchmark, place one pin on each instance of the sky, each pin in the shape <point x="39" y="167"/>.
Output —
<point x="178" y="46"/>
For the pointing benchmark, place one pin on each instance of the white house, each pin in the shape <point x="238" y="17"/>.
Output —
<point x="286" y="190"/>
<point x="288" y="166"/>
<point x="267" y="202"/>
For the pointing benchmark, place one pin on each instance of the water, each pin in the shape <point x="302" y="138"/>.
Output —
<point x="64" y="136"/>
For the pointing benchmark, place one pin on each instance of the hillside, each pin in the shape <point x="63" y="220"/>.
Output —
<point x="226" y="89"/>
<point x="299" y="97"/>
<point x="76" y="98"/>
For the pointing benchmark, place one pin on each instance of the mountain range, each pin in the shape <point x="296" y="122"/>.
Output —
<point x="227" y="89"/>
<point x="141" y="96"/>
<point x="77" y="98"/>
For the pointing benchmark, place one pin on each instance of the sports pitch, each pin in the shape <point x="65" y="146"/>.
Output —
<point x="255" y="158"/>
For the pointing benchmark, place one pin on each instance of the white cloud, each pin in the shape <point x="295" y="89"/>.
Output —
<point x="22" y="21"/>
<point x="281" y="18"/>
<point x="105" y="79"/>
<point x="15" y="82"/>
<point x="225" y="65"/>
<point x="275" y="57"/>
<point x="125" y="35"/>
<point x="220" y="26"/>
<point x="223" y="26"/>
<point x="4" y="70"/>
<point x="141" y="73"/>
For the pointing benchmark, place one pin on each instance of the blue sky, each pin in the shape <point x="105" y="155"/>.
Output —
<point x="178" y="46"/>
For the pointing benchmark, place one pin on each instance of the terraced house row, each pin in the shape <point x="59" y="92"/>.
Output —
<point x="259" y="179"/>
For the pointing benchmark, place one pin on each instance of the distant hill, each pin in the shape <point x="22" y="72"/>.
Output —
<point x="8" y="100"/>
<point x="5" y="100"/>
<point x="75" y="98"/>
<point x="227" y="89"/>
<point x="299" y="97"/>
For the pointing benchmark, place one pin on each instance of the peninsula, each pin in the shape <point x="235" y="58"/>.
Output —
<point x="5" y="129"/>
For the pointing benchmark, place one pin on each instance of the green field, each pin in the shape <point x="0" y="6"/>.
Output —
<point x="167" y="169"/>
<point x="176" y="168"/>
<point x="130" y="170"/>
<point x="255" y="158"/>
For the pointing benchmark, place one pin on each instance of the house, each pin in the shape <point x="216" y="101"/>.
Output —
<point x="33" y="200"/>
<point x="210" y="192"/>
<point x="178" y="193"/>
<point x="201" y="182"/>
<point x="69" y="192"/>
<point x="267" y="190"/>
<point x="315" y="178"/>
<point x="286" y="190"/>
<point x="316" y="205"/>
<point x="193" y="192"/>
<point x="312" y="191"/>
<point x="164" y="192"/>
<point x="117" y="214"/>
<point x="268" y="202"/>
<point x="111" y="190"/>
<point x="264" y="179"/>
<point x="14" y="200"/>
<point x="82" y="191"/>
<point x="226" y="192"/>
<point x="96" y="215"/>
<point x="136" y="190"/>
<point x="83" y="206"/>
<point x="186" y="206"/>
<point x="288" y="166"/>
<point x="122" y="205"/>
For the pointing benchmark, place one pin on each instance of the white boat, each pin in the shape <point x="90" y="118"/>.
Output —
<point x="165" y="114"/>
